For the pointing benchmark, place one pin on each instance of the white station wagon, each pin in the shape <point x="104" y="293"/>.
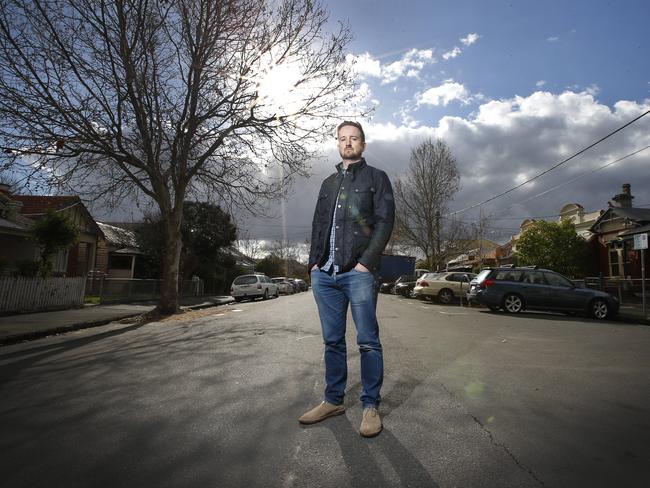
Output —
<point x="253" y="286"/>
<point x="442" y="286"/>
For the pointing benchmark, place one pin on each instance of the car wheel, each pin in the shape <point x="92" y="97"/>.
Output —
<point x="599" y="309"/>
<point x="277" y="293"/>
<point x="445" y="296"/>
<point x="493" y="308"/>
<point x="266" y="294"/>
<point x="512" y="303"/>
<point x="412" y="294"/>
<point x="238" y="299"/>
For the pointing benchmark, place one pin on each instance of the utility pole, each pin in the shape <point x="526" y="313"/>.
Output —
<point x="480" y="236"/>
<point x="437" y="250"/>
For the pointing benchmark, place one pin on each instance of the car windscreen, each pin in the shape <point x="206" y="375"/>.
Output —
<point x="245" y="280"/>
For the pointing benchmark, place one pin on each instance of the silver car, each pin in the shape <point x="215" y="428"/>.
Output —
<point x="284" y="286"/>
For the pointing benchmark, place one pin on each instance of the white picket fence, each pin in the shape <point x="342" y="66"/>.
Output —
<point x="40" y="294"/>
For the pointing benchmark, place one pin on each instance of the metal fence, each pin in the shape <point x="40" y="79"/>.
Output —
<point x="40" y="294"/>
<point x="111" y="290"/>
<point x="627" y="290"/>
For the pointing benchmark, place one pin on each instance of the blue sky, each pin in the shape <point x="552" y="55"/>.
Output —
<point x="567" y="44"/>
<point x="513" y="87"/>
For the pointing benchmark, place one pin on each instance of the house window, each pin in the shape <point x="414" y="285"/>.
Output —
<point x="615" y="262"/>
<point x="119" y="262"/>
<point x="60" y="262"/>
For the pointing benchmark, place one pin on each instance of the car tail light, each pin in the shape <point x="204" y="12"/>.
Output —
<point x="424" y="283"/>
<point x="485" y="283"/>
<point x="259" y="286"/>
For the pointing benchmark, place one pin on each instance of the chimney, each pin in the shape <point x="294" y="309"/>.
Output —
<point x="622" y="200"/>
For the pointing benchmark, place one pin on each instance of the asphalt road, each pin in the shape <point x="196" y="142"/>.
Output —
<point x="470" y="399"/>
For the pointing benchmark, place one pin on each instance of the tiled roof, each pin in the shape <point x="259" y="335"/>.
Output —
<point x="37" y="205"/>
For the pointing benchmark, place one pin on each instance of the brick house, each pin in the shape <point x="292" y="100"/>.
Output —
<point x="614" y="236"/>
<point x="27" y="209"/>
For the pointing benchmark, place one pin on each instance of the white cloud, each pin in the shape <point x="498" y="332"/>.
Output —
<point x="470" y="39"/>
<point x="540" y="83"/>
<point x="505" y="142"/>
<point x="364" y="65"/>
<point x="411" y="63"/>
<point x="444" y="94"/>
<point x="552" y="39"/>
<point x="453" y="53"/>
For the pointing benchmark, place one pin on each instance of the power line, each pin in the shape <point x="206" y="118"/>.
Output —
<point x="552" y="167"/>
<point x="586" y="173"/>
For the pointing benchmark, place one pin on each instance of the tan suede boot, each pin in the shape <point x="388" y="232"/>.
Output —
<point x="321" y="412"/>
<point x="371" y="423"/>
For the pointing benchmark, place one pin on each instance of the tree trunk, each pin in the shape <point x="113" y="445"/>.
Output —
<point x="169" y="293"/>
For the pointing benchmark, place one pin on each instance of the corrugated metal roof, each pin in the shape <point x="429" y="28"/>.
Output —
<point x="119" y="236"/>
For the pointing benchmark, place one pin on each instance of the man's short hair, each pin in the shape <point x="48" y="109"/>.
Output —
<point x="353" y="124"/>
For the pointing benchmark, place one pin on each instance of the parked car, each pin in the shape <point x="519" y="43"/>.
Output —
<point x="284" y="286"/>
<point x="519" y="288"/>
<point x="387" y="287"/>
<point x="302" y="284"/>
<point x="444" y="287"/>
<point x="297" y="287"/>
<point x="253" y="286"/>
<point x="404" y="285"/>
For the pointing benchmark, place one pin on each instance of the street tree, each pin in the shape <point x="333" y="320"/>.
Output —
<point x="219" y="100"/>
<point x="53" y="232"/>
<point x="422" y="196"/>
<point x="554" y="246"/>
<point x="207" y="232"/>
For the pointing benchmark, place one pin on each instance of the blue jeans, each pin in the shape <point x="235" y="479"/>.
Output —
<point x="333" y="294"/>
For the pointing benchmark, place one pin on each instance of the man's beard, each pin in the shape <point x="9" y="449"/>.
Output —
<point x="351" y="154"/>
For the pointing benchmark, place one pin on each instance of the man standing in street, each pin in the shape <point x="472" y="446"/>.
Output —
<point x="352" y="223"/>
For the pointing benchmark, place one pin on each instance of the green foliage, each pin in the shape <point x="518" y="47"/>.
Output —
<point x="54" y="232"/>
<point x="271" y="266"/>
<point x="205" y="230"/>
<point x="27" y="268"/>
<point x="554" y="246"/>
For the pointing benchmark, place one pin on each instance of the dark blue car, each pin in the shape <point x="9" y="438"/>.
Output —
<point x="515" y="289"/>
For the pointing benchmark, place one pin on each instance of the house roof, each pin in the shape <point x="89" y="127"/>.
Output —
<point x="38" y="205"/>
<point x="636" y="230"/>
<point x="119" y="236"/>
<point x="639" y="215"/>
<point x="10" y="218"/>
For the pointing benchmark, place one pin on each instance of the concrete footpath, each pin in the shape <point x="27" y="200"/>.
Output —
<point x="28" y="326"/>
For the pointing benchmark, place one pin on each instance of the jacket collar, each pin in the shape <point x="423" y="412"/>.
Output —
<point x="353" y="168"/>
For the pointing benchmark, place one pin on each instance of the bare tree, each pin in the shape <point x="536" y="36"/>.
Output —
<point x="219" y="100"/>
<point x="421" y="197"/>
